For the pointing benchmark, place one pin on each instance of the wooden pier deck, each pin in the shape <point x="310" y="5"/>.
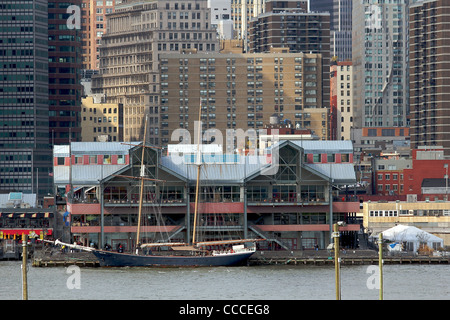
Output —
<point x="350" y="258"/>
<point x="260" y="258"/>
<point x="59" y="259"/>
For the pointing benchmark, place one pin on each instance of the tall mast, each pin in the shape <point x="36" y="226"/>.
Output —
<point x="141" y="193"/>
<point x="199" y="163"/>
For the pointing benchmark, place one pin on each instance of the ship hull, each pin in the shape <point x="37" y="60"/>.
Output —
<point x="115" y="259"/>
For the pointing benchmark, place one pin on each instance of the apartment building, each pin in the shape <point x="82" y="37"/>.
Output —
<point x="93" y="26"/>
<point x="242" y="12"/>
<point x="241" y="91"/>
<point x="342" y="115"/>
<point x="288" y="24"/>
<point x="138" y="32"/>
<point x="429" y="76"/>
<point x="380" y="63"/>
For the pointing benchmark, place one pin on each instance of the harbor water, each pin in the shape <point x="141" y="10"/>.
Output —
<point x="401" y="282"/>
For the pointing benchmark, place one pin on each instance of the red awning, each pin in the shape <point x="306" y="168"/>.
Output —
<point x="20" y="232"/>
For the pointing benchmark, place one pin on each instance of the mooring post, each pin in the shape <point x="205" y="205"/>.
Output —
<point x="24" y="267"/>
<point x="337" y="261"/>
<point x="380" y="262"/>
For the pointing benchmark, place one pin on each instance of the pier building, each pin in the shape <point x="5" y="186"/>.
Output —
<point x="241" y="196"/>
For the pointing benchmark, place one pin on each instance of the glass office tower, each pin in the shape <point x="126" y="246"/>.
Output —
<point x="25" y="153"/>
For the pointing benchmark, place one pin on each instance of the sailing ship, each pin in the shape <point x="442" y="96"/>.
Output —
<point x="180" y="254"/>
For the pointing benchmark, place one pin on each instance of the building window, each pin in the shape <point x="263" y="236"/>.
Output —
<point x="345" y="157"/>
<point x="331" y="157"/>
<point x="317" y="158"/>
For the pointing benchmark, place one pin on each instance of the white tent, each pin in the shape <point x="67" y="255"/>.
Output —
<point x="412" y="237"/>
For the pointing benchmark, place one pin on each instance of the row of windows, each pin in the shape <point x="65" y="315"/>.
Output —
<point x="383" y="213"/>
<point x="389" y="187"/>
<point x="105" y="129"/>
<point x="388" y="176"/>
<point x="105" y="110"/>
<point x="107" y="159"/>
<point x="330" y="157"/>
<point x="100" y="119"/>
<point x="396" y="213"/>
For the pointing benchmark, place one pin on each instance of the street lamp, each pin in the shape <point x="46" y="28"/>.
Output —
<point x="337" y="259"/>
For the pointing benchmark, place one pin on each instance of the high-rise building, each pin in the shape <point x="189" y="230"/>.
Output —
<point x="288" y="24"/>
<point x="341" y="118"/>
<point x="25" y="153"/>
<point x="429" y="74"/>
<point x="138" y="32"/>
<point x="380" y="63"/>
<point x="93" y="26"/>
<point x="242" y="12"/>
<point x="340" y="26"/>
<point x="240" y="91"/>
<point x="64" y="70"/>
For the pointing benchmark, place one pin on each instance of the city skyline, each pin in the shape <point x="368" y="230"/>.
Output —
<point x="136" y="34"/>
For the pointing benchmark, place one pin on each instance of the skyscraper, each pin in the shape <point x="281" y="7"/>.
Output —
<point x="288" y="24"/>
<point x="341" y="119"/>
<point x="429" y="74"/>
<point x="242" y="12"/>
<point x="93" y="27"/>
<point x="380" y="63"/>
<point x="64" y="62"/>
<point x="340" y="26"/>
<point x="25" y="153"/>
<point x="138" y="32"/>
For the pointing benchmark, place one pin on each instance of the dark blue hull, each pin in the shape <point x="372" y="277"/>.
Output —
<point x="114" y="259"/>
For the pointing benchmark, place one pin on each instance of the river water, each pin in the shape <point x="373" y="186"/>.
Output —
<point x="281" y="282"/>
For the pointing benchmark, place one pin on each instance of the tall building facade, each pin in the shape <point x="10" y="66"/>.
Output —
<point x="64" y="71"/>
<point x="380" y="63"/>
<point x="240" y="91"/>
<point x="25" y="153"/>
<point x="288" y="24"/>
<point x="242" y="12"/>
<point x="101" y="121"/>
<point x="93" y="25"/>
<point x="429" y="74"/>
<point x="342" y="116"/>
<point x="340" y="26"/>
<point x="138" y="32"/>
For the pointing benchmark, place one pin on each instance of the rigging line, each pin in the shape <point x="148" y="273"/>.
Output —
<point x="161" y="221"/>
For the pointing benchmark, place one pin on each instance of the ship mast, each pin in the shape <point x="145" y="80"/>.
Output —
<point x="198" y="163"/>
<point x="141" y="193"/>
